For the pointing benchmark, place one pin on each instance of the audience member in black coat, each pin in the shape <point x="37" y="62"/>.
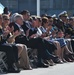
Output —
<point x="11" y="53"/>
<point x="37" y="43"/>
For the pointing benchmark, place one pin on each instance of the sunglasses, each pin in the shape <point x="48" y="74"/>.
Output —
<point x="50" y="21"/>
<point x="6" y="19"/>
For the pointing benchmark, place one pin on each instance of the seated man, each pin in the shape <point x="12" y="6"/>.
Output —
<point x="40" y="44"/>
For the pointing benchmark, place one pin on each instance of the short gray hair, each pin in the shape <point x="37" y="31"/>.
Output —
<point x="12" y="17"/>
<point x="17" y="17"/>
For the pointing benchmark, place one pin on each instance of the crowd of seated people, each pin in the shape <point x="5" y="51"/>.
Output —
<point x="51" y="36"/>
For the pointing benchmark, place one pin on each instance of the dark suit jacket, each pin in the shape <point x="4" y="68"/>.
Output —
<point x="21" y="38"/>
<point x="2" y="40"/>
<point x="40" y="44"/>
<point x="10" y="50"/>
<point x="16" y="27"/>
<point x="26" y="27"/>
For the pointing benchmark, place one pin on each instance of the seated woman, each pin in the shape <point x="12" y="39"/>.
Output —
<point x="21" y="49"/>
<point x="9" y="50"/>
<point x="47" y="29"/>
<point x="40" y="44"/>
<point x="44" y="35"/>
<point x="24" y="59"/>
<point x="63" y="42"/>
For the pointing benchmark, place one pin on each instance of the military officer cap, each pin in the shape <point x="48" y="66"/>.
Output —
<point x="71" y="18"/>
<point x="53" y="16"/>
<point x="64" y="14"/>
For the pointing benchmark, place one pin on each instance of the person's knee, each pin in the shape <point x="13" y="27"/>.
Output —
<point x="25" y="47"/>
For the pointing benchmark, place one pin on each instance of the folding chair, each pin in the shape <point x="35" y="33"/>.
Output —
<point x="3" y="64"/>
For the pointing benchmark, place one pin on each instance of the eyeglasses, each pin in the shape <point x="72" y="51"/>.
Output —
<point x="50" y="21"/>
<point x="6" y="19"/>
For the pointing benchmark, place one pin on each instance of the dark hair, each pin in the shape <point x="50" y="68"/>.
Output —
<point x="5" y="11"/>
<point x="48" y="16"/>
<point x="11" y="24"/>
<point x="31" y="19"/>
<point x="39" y="19"/>
<point x="44" y="15"/>
<point x="58" y="22"/>
<point x="44" y="20"/>
<point x="24" y="12"/>
<point x="34" y="17"/>
<point x="59" y="30"/>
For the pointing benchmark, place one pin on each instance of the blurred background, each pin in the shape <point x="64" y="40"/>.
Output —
<point x="46" y="6"/>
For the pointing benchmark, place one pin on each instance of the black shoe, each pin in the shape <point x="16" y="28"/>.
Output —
<point x="70" y="57"/>
<point x="55" y="59"/>
<point x="67" y="58"/>
<point x="42" y="65"/>
<point x="13" y="71"/>
<point x="58" y="61"/>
